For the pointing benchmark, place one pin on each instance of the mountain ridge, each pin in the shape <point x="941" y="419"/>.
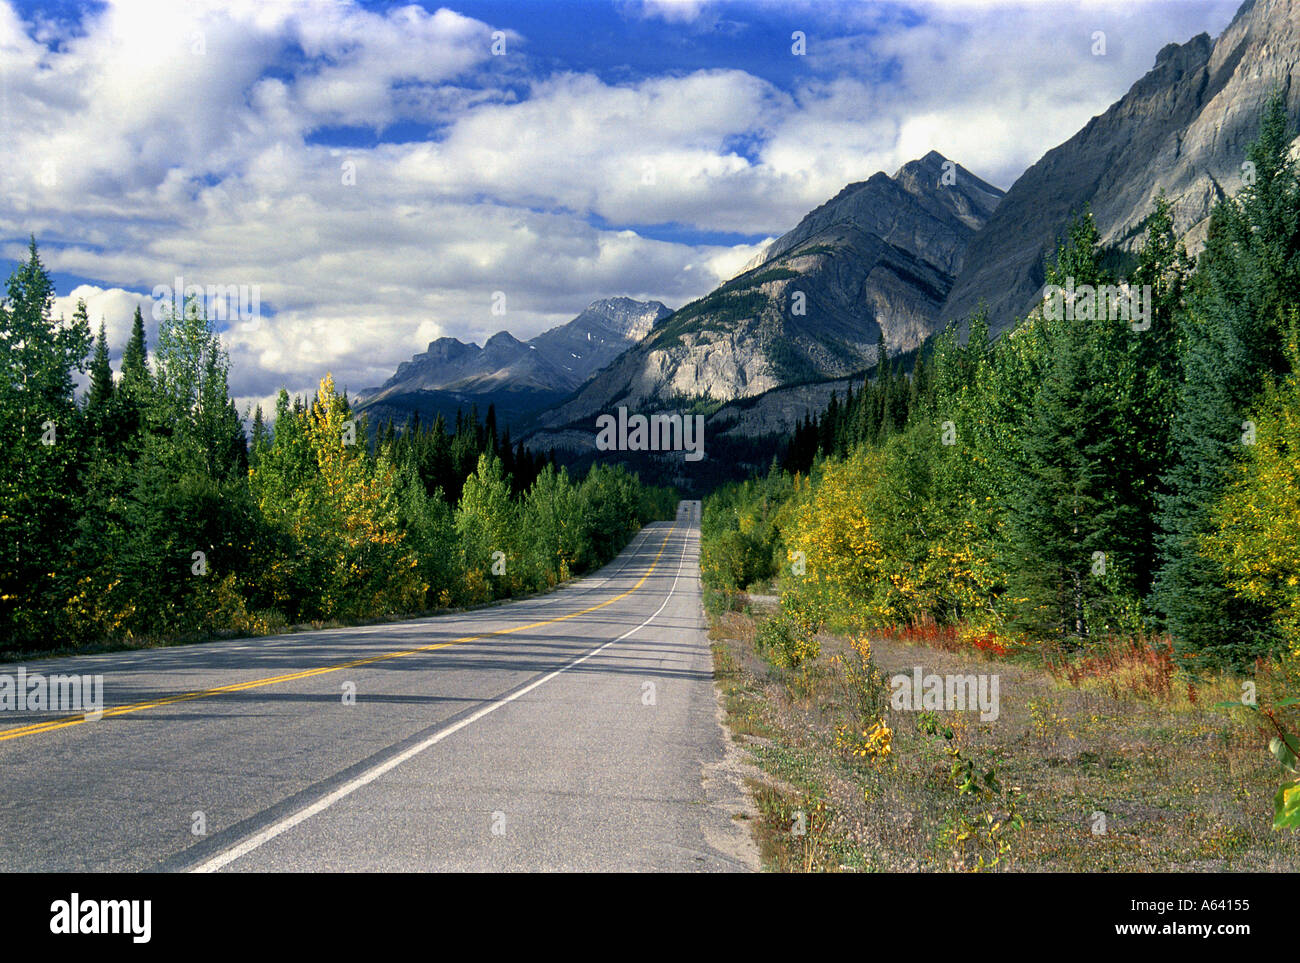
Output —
<point x="1181" y="129"/>
<point x="523" y="376"/>
<point x="876" y="259"/>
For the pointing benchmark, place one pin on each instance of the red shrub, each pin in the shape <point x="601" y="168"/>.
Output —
<point x="1143" y="666"/>
<point x="945" y="637"/>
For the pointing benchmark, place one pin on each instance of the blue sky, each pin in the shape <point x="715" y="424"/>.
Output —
<point x="633" y="147"/>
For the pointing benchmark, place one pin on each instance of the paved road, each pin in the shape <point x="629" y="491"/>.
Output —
<point x="574" y="731"/>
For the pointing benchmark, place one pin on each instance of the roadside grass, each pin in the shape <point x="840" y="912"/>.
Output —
<point x="1115" y="764"/>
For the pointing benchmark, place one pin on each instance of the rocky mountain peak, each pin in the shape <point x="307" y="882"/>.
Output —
<point x="928" y="167"/>
<point x="1192" y="52"/>
<point x="622" y="317"/>
<point x="501" y="341"/>
<point x="871" y="206"/>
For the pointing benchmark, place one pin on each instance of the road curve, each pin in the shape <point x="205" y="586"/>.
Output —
<point x="575" y="731"/>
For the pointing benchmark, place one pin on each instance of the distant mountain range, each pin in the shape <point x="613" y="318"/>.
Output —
<point x="519" y="377"/>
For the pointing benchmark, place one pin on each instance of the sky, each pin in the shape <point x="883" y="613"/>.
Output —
<point x="375" y="175"/>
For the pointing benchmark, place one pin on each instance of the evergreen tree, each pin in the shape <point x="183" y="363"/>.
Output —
<point x="436" y="464"/>
<point x="1248" y="273"/>
<point x="135" y="357"/>
<point x="135" y="394"/>
<point x="261" y="439"/>
<point x="466" y="446"/>
<point x="103" y="418"/>
<point x="1070" y="512"/>
<point x="829" y="427"/>
<point x="490" y="431"/>
<point x="40" y="445"/>
<point x="921" y="376"/>
<point x="101" y="372"/>
<point x="844" y="428"/>
<point x="1152" y="393"/>
<point x="884" y="421"/>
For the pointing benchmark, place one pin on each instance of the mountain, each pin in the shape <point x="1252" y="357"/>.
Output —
<point x="879" y="257"/>
<point x="520" y="377"/>
<point x="907" y="254"/>
<point x="1182" y="129"/>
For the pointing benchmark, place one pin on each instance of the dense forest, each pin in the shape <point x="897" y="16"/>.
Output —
<point x="1075" y="480"/>
<point x="141" y="510"/>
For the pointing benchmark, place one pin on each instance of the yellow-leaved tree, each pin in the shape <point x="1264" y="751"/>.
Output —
<point x="837" y="528"/>
<point x="339" y="506"/>
<point x="1257" y="522"/>
<point x="884" y="544"/>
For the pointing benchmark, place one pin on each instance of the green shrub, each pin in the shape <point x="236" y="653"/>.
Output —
<point x="788" y="640"/>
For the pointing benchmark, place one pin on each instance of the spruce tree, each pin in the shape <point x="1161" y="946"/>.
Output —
<point x="135" y="389"/>
<point x="135" y="357"/>
<point x="261" y="439"/>
<point x="1164" y="271"/>
<point x="830" y="420"/>
<point x="1248" y="273"/>
<point x="1070" y="522"/>
<point x="101" y="372"/>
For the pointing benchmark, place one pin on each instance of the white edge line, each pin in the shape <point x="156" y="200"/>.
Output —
<point x="266" y="835"/>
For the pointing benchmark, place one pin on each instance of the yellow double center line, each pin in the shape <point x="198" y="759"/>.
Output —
<point x="65" y="722"/>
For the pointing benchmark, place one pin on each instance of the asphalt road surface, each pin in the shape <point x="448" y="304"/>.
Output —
<point x="573" y="731"/>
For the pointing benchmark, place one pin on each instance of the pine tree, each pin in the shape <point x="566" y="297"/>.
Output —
<point x="829" y="424"/>
<point x="466" y="445"/>
<point x="1069" y="511"/>
<point x="884" y="426"/>
<point x="135" y="357"/>
<point x="103" y="420"/>
<point x="1155" y="371"/>
<point x="490" y="443"/>
<point x="1248" y="273"/>
<point x="101" y="372"/>
<point x="261" y="439"/>
<point x="528" y="468"/>
<point x="436" y="462"/>
<point x="860" y="415"/>
<point x="921" y="375"/>
<point x="1256" y="534"/>
<point x="844" y="430"/>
